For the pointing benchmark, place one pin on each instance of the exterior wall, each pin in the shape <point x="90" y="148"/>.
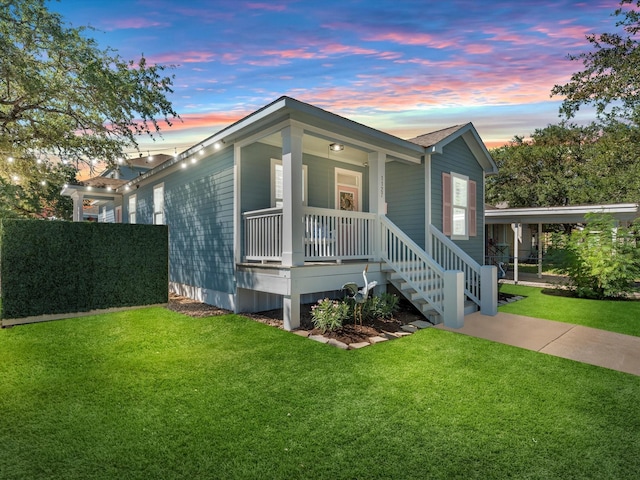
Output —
<point x="256" y="178"/>
<point x="198" y="207"/>
<point x="457" y="158"/>
<point x="405" y="194"/>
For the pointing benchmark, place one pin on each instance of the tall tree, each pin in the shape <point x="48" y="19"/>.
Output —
<point x="64" y="98"/>
<point x="546" y="170"/>
<point x="610" y="80"/>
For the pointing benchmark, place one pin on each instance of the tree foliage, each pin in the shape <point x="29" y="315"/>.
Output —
<point x="601" y="261"/>
<point x="64" y="98"/>
<point x="610" y="80"/>
<point x="568" y="165"/>
<point x="60" y="93"/>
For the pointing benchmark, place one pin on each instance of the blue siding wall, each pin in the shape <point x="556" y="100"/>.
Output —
<point x="457" y="158"/>
<point x="199" y="212"/>
<point x="256" y="178"/>
<point x="405" y="193"/>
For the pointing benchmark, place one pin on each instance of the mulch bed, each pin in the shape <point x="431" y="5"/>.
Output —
<point x="348" y="334"/>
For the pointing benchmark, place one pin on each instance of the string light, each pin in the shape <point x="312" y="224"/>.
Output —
<point x="15" y="178"/>
<point x="43" y="183"/>
<point x="10" y="159"/>
<point x="184" y="165"/>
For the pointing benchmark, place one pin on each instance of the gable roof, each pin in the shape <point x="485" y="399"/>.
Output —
<point x="435" y="142"/>
<point x="289" y="108"/>
<point x="430" y="139"/>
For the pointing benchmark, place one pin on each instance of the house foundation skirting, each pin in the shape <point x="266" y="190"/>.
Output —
<point x="205" y="295"/>
<point x="265" y="287"/>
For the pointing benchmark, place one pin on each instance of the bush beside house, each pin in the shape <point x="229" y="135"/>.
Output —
<point x="63" y="267"/>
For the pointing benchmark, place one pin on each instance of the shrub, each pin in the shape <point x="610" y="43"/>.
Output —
<point x="601" y="261"/>
<point x="329" y="314"/>
<point x="381" y="306"/>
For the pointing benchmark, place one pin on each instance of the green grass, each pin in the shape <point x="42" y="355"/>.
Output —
<point x="613" y="315"/>
<point x="154" y="394"/>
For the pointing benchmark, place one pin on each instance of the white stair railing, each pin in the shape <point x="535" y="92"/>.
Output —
<point x="451" y="257"/>
<point x="413" y="264"/>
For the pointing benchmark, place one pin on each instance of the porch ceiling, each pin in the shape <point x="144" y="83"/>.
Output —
<point x="319" y="147"/>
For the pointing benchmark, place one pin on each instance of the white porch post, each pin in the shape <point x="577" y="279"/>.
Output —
<point x="517" y="238"/>
<point x="78" y="200"/>
<point x="291" y="311"/>
<point x="453" y="299"/>
<point x="488" y="290"/>
<point x="377" y="203"/>
<point x="539" y="250"/>
<point x="293" y="225"/>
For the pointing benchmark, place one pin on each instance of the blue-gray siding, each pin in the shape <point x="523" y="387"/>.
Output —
<point x="457" y="158"/>
<point x="256" y="178"/>
<point x="198" y="203"/>
<point x="405" y="195"/>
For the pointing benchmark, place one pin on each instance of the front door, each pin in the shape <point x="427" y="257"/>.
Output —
<point x="348" y="190"/>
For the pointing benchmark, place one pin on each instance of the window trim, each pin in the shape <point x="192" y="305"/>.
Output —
<point x="156" y="211"/>
<point x="305" y="183"/>
<point x="460" y="207"/>
<point x="133" y="200"/>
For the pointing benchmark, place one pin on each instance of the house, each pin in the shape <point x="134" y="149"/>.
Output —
<point x="289" y="203"/>
<point x="98" y="205"/>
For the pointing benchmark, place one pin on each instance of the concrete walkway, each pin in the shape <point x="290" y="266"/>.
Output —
<point x="583" y="344"/>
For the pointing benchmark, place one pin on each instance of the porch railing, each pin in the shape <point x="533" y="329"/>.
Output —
<point x="328" y="235"/>
<point x="451" y="257"/>
<point x="415" y="266"/>
<point x="263" y="235"/>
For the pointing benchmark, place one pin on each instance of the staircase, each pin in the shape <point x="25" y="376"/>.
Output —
<point x="430" y="282"/>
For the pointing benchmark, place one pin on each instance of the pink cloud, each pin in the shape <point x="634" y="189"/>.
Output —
<point x="133" y="23"/>
<point x="266" y="6"/>
<point x="409" y="38"/>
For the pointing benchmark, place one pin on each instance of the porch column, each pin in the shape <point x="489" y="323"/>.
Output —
<point x="377" y="200"/>
<point x="78" y="200"/>
<point x="517" y="238"/>
<point x="539" y="250"/>
<point x="292" y="215"/>
<point x="291" y="311"/>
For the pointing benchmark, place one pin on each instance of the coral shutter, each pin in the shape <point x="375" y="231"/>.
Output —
<point x="472" y="209"/>
<point x="446" y="203"/>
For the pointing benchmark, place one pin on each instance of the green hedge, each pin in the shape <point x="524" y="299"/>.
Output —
<point x="63" y="267"/>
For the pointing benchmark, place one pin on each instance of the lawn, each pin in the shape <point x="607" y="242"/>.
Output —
<point x="155" y="394"/>
<point x="614" y="315"/>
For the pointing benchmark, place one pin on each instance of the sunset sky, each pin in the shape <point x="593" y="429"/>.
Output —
<point x="406" y="67"/>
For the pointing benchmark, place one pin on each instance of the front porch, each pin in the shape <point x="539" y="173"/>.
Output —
<point x="336" y="247"/>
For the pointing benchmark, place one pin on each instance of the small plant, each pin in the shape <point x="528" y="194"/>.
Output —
<point x="380" y="306"/>
<point x="328" y="315"/>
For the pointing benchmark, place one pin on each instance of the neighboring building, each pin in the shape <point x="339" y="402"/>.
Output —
<point x="289" y="203"/>
<point x="527" y="225"/>
<point x="98" y="206"/>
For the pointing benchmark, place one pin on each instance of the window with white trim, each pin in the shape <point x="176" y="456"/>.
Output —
<point x="277" y="183"/>
<point x="158" y="204"/>
<point x="132" y="208"/>
<point x="459" y="206"/>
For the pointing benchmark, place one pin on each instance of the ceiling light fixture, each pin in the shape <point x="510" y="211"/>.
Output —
<point x="336" y="147"/>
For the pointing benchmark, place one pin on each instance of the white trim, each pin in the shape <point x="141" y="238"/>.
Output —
<point x="460" y="207"/>
<point x="358" y="186"/>
<point x="569" y="214"/>
<point x="157" y="211"/>
<point x="131" y="215"/>
<point x="305" y="183"/>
